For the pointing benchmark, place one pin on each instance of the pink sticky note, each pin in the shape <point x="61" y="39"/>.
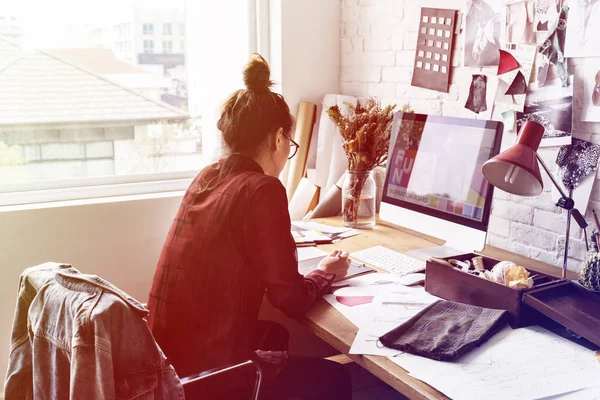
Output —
<point x="352" y="301"/>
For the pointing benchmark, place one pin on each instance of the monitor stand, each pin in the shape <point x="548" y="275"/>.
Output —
<point x="444" y="251"/>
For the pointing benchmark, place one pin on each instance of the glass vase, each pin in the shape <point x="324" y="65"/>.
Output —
<point x="358" y="199"/>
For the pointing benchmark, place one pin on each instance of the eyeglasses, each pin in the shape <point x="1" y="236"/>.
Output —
<point x="293" y="147"/>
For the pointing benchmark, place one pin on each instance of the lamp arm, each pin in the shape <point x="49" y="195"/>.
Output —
<point x="566" y="201"/>
<point x="552" y="178"/>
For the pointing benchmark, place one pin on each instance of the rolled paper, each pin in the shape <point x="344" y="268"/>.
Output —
<point x="304" y="128"/>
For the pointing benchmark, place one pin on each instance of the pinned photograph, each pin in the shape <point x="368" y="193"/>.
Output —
<point x="552" y="107"/>
<point x="584" y="29"/>
<point x="545" y="12"/>
<point x="520" y="22"/>
<point x="512" y="85"/>
<point x="484" y="26"/>
<point x="590" y="111"/>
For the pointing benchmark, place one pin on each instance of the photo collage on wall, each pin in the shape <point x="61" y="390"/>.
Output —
<point x="518" y="51"/>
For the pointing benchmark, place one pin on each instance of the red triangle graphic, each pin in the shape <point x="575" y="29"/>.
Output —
<point x="507" y="62"/>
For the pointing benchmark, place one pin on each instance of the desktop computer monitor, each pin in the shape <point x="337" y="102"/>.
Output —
<point x="434" y="183"/>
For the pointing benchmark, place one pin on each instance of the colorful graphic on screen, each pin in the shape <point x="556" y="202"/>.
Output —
<point x="438" y="166"/>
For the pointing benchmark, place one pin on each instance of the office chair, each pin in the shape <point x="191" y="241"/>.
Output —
<point x="205" y="375"/>
<point x="188" y="380"/>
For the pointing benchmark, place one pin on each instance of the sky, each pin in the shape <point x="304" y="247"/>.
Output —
<point x="62" y="23"/>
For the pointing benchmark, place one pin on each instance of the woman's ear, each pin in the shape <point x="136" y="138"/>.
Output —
<point x="278" y="138"/>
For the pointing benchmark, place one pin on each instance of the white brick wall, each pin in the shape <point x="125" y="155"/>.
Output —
<point x="378" y="40"/>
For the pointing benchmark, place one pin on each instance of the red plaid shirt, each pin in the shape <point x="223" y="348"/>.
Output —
<point x="225" y="249"/>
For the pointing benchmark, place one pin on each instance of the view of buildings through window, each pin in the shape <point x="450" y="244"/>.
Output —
<point x="98" y="91"/>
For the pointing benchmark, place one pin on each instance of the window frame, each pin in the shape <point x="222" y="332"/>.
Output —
<point x="148" y="28"/>
<point x="150" y="43"/>
<point x="30" y="193"/>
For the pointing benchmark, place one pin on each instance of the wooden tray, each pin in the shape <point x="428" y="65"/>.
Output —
<point x="456" y="285"/>
<point x="571" y="305"/>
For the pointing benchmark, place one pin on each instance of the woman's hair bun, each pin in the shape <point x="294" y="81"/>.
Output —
<point x="257" y="74"/>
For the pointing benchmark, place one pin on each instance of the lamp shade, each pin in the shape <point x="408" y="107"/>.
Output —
<point x="516" y="170"/>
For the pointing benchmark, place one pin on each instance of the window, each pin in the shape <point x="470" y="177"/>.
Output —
<point x="182" y="46"/>
<point x="148" y="46"/>
<point x="124" y="135"/>
<point x="182" y="29"/>
<point x="167" y="28"/>
<point x="148" y="29"/>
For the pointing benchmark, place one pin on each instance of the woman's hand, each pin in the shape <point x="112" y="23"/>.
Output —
<point x="336" y="263"/>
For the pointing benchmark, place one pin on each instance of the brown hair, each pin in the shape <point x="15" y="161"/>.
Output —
<point x="250" y="115"/>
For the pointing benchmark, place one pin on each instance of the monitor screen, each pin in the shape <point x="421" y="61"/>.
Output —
<point x="434" y="167"/>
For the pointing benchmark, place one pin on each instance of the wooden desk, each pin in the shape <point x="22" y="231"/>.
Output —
<point x="331" y="326"/>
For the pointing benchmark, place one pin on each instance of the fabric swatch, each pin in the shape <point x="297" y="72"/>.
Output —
<point x="576" y="161"/>
<point x="477" y="94"/>
<point x="509" y="119"/>
<point x="445" y="330"/>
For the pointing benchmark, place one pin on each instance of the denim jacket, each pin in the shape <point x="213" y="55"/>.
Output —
<point x="77" y="336"/>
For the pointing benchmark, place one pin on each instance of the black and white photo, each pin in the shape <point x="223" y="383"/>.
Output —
<point x="484" y="26"/>
<point x="552" y="107"/>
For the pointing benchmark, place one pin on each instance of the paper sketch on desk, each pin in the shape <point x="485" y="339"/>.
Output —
<point x="307" y="253"/>
<point x="358" y="315"/>
<point x="331" y="160"/>
<point x="592" y="393"/>
<point x="583" y="29"/>
<point x="366" y="343"/>
<point x="315" y="226"/>
<point x="307" y="266"/>
<point x="484" y="25"/>
<point x="526" y="363"/>
<point x="367" y="285"/>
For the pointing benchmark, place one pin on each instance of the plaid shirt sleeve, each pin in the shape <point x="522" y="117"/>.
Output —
<point x="271" y="249"/>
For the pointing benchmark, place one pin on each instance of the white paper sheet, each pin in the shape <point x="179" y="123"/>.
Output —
<point x="526" y="363"/>
<point x="314" y="226"/>
<point x="331" y="159"/>
<point x="583" y="30"/>
<point x="366" y="343"/>
<point x="302" y="199"/>
<point x="368" y="285"/>
<point x="307" y="253"/>
<point x="359" y="315"/>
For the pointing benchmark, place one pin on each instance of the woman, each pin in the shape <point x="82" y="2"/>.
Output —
<point x="229" y="244"/>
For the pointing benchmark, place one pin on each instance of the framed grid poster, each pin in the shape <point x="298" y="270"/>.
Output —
<point x="434" y="49"/>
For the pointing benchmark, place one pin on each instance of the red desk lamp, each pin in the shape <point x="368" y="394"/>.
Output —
<point x="516" y="171"/>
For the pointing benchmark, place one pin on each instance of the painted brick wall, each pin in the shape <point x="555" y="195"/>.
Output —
<point x="378" y="40"/>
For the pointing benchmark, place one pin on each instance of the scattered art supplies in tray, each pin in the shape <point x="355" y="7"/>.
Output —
<point x="455" y="284"/>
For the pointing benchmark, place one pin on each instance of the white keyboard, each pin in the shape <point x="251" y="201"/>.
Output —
<point x="390" y="260"/>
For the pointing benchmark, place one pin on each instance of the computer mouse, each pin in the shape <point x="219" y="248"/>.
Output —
<point x="412" y="279"/>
